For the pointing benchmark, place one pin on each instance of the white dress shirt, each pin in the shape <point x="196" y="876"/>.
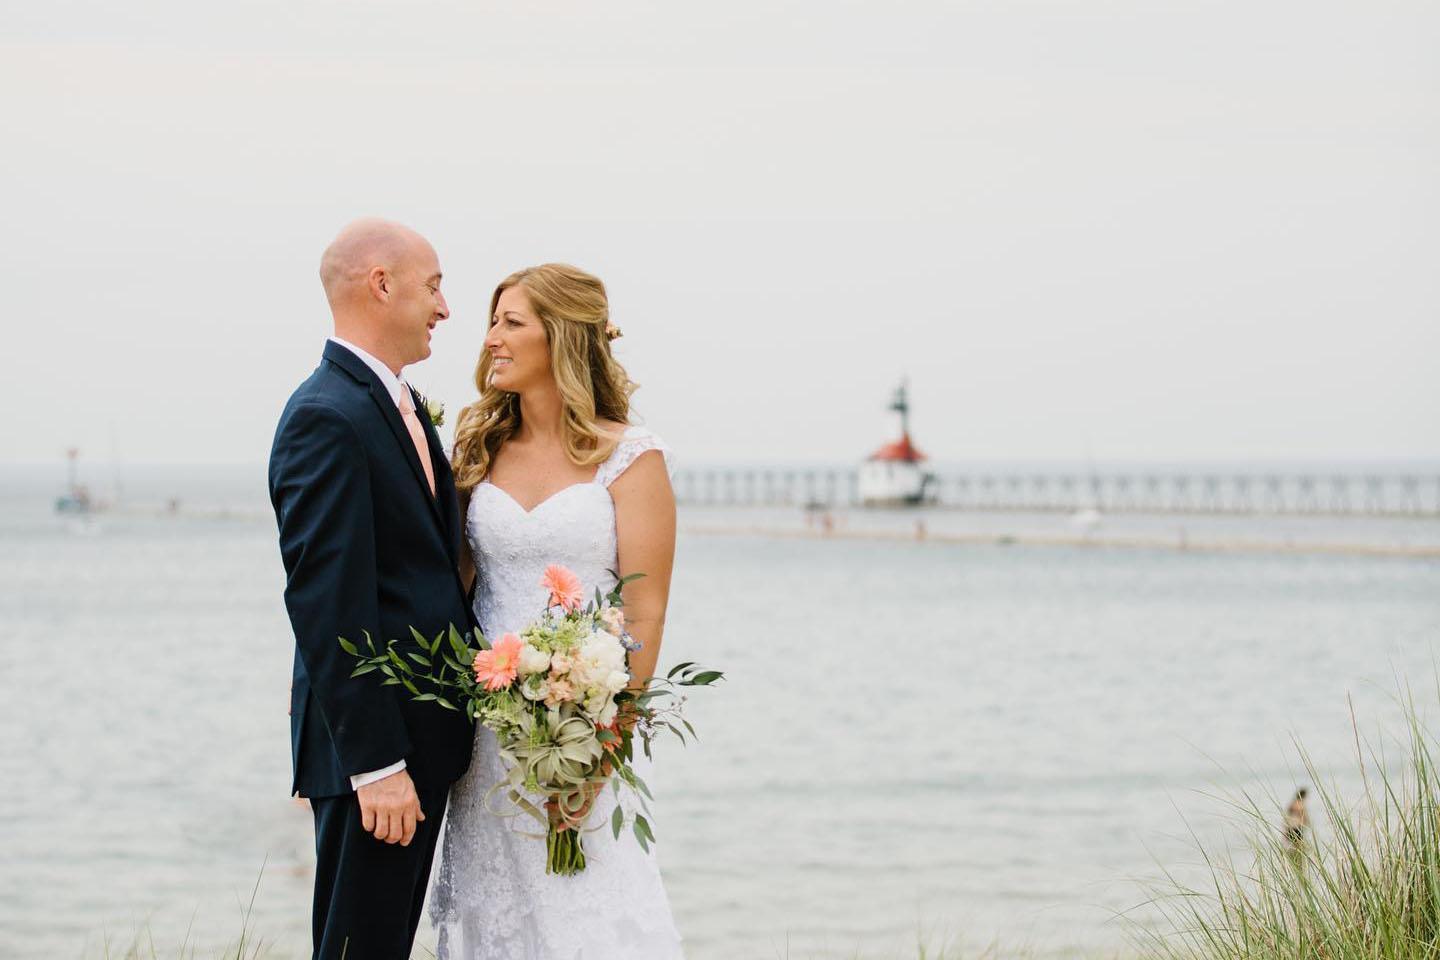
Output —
<point x="396" y="387"/>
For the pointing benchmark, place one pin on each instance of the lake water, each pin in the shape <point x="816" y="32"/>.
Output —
<point x="978" y="742"/>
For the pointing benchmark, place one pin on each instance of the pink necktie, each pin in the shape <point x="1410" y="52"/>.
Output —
<point x="417" y="434"/>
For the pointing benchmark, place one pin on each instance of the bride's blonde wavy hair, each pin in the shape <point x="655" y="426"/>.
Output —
<point x="575" y="313"/>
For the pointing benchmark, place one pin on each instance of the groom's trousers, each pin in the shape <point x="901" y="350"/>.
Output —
<point x="368" y="893"/>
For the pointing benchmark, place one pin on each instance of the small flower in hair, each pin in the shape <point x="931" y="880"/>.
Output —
<point x="612" y="332"/>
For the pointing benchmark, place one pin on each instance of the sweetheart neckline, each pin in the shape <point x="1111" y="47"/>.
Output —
<point x="508" y="496"/>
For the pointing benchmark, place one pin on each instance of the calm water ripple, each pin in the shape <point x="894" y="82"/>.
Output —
<point x="974" y="741"/>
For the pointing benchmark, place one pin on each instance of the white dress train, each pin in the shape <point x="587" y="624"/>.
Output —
<point x="492" y="899"/>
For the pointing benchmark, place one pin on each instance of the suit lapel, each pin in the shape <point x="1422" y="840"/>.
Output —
<point x="443" y="508"/>
<point x="448" y="505"/>
<point x="386" y="403"/>
<point x="444" y="484"/>
<point x="390" y="413"/>
<point x="449" y="502"/>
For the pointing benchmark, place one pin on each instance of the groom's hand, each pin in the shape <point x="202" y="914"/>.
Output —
<point x="390" y="808"/>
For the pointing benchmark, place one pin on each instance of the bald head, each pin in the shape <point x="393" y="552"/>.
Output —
<point x="383" y="283"/>
<point x="360" y="248"/>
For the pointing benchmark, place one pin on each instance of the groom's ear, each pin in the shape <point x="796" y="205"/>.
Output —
<point x="379" y="283"/>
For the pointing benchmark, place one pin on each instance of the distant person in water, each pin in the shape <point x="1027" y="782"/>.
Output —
<point x="1297" y="824"/>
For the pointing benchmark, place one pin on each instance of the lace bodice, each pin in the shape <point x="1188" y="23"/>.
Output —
<point x="574" y="526"/>
<point x="492" y="899"/>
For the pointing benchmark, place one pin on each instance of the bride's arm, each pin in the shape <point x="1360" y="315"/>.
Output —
<point x="645" y="536"/>
<point x="467" y="560"/>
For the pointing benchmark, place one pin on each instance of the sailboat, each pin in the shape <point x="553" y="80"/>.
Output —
<point x="76" y="499"/>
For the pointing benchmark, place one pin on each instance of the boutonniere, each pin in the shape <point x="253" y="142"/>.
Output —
<point x="434" y="409"/>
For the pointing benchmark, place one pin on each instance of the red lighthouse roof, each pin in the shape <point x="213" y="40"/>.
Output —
<point x="901" y="450"/>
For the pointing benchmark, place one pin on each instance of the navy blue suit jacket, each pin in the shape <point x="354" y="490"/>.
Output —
<point x="366" y="547"/>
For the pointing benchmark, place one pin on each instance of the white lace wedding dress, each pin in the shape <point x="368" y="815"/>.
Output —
<point x="492" y="899"/>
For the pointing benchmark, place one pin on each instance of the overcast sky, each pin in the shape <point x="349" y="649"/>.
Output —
<point x="1129" y="230"/>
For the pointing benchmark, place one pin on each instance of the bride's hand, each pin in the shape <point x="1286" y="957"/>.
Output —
<point x="628" y="715"/>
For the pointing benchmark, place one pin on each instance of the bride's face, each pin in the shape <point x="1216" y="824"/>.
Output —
<point x="519" y="349"/>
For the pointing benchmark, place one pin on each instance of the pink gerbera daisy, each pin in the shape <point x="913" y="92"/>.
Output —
<point x="496" y="667"/>
<point x="564" y="586"/>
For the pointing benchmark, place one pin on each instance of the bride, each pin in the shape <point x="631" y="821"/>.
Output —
<point x="550" y="471"/>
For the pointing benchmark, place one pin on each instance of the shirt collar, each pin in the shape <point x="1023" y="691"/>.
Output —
<point x="393" y="384"/>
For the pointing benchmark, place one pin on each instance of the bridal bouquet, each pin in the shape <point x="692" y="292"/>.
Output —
<point x="559" y="699"/>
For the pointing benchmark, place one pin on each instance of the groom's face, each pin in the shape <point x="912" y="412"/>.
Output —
<point x="416" y="303"/>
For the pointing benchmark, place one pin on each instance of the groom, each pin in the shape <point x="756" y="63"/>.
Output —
<point x="369" y="533"/>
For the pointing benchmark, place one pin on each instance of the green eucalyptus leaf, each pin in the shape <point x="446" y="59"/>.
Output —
<point x="349" y="647"/>
<point x="678" y="667"/>
<point x="640" y="787"/>
<point x="617" y="821"/>
<point x="640" y="833"/>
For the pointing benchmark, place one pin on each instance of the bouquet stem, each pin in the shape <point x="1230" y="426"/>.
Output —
<point x="565" y="855"/>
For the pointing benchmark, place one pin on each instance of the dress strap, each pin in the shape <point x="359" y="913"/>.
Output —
<point x="637" y="440"/>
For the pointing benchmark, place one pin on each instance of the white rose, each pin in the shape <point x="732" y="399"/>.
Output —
<point x="617" y="681"/>
<point x="600" y="706"/>
<point x="608" y="713"/>
<point x="594" y="661"/>
<point x="604" y="650"/>
<point x="533" y="661"/>
<point x="537" y="688"/>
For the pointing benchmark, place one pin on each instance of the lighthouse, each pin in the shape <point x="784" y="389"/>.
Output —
<point x="894" y="475"/>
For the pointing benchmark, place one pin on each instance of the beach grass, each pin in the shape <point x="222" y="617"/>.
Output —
<point x="1369" y="889"/>
<point x="141" y="945"/>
